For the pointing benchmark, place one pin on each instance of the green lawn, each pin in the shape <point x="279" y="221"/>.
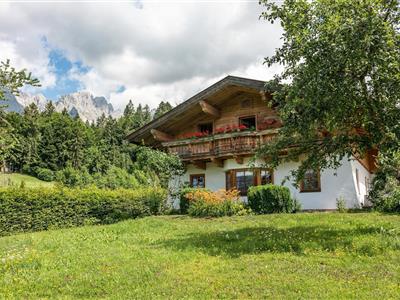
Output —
<point x="309" y="255"/>
<point x="16" y="179"/>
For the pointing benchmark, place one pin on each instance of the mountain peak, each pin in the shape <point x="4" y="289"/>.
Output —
<point x="83" y="103"/>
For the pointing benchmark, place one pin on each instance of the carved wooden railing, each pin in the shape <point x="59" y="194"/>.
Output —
<point x="221" y="145"/>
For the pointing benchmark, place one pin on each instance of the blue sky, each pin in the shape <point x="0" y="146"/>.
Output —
<point x="61" y="67"/>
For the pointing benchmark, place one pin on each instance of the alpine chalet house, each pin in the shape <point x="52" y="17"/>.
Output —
<point x="216" y="132"/>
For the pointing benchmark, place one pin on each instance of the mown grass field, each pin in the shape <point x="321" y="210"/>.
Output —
<point x="308" y="255"/>
<point x="16" y="179"/>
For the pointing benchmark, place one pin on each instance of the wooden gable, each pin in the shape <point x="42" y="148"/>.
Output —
<point x="221" y="103"/>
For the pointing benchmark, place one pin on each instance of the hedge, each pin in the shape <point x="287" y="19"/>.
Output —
<point x="24" y="210"/>
<point x="269" y="198"/>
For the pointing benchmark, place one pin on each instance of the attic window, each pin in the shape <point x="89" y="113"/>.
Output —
<point x="249" y="122"/>
<point x="206" y="127"/>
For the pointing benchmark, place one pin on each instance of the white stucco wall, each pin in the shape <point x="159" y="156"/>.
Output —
<point x="333" y="186"/>
<point x="364" y="178"/>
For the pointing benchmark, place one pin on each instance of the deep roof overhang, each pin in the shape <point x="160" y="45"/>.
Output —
<point x="143" y="134"/>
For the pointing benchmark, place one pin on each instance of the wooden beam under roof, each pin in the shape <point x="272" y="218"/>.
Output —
<point x="239" y="159"/>
<point x="209" y="109"/>
<point x="199" y="164"/>
<point x="161" y="136"/>
<point x="219" y="162"/>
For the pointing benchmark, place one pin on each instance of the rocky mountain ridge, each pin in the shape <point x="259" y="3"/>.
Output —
<point x="86" y="105"/>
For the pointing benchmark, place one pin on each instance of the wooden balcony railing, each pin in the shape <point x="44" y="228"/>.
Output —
<point x="221" y="145"/>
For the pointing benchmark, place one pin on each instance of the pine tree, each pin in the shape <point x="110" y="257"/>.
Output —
<point x="49" y="108"/>
<point x="162" y="108"/>
<point x="129" y="109"/>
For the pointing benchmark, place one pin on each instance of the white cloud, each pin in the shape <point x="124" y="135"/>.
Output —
<point x="164" y="51"/>
<point x="35" y="61"/>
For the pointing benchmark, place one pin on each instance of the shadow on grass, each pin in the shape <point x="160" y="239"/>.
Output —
<point x="298" y="240"/>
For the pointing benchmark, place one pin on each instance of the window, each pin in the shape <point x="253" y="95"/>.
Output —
<point x="242" y="179"/>
<point x="198" y="181"/>
<point x="265" y="177"/>
<point x="206" y="127"/>
<point x="311" y="182"/>
<point x="249" y="122"/>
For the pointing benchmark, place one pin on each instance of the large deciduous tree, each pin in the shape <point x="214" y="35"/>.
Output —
<point x="339" y="93"/>
<point x="11" y="81"/>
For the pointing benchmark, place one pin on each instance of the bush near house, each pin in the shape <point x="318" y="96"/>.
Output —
<point x="266" y="199"/>
<point x="389" y="199"/>
<point x="204" y="203"/>
<point x="36" y="209"/>
<point x="385" y="193"/>
<point x="184" y="200"/>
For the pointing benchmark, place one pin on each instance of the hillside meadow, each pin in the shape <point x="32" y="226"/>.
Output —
<point x="15" y="179"/>
<point x="306" y="255"/>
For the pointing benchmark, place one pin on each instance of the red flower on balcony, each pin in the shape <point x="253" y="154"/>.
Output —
<point x="242" y="127"/>
<point x="192" y="135"/>
<point x="198" y="134"/>
<point x="219" y="130"/>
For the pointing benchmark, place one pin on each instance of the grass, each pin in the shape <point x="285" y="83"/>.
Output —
<point x="309" y="255"/>
<point x="16" y="179"/>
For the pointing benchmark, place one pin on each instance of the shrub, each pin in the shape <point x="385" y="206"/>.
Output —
<point x="204" y="203"/>
<point x="115" y="178"/>
<point x="265" y="199"/>
<point x="158" y="162"/>
<point x="226" y="208"/>
<point x="44" y="174"/>
<point x="341" y="204"/>
<point x="43" y="208"/>
<point x="184" y="200"/>
<point x="71" y="177"/>
<point x="388" y="200"/>
<point x="297" y="207"/>
<point x="385" y="193"/>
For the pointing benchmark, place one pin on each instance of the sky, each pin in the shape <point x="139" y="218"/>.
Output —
<point x="147" y="51"/>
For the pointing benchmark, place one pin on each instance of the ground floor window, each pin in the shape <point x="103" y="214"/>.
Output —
<point x="265" y="176"/>
<point x="198" y="180"/>
<point x="311" y="182"/>
<point x="242" y="179"/>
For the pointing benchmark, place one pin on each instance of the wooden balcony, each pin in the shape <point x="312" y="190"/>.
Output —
<point x="220" y="145"/>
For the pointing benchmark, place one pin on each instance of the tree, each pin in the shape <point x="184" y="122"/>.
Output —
<point x="129" y="109"/>
<point x="162" y="108"/>
<point x="31" y="133"/>
<point x="342" y="72"/>
<point x="10" y="82"/>
<point x="49" y="108"/>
